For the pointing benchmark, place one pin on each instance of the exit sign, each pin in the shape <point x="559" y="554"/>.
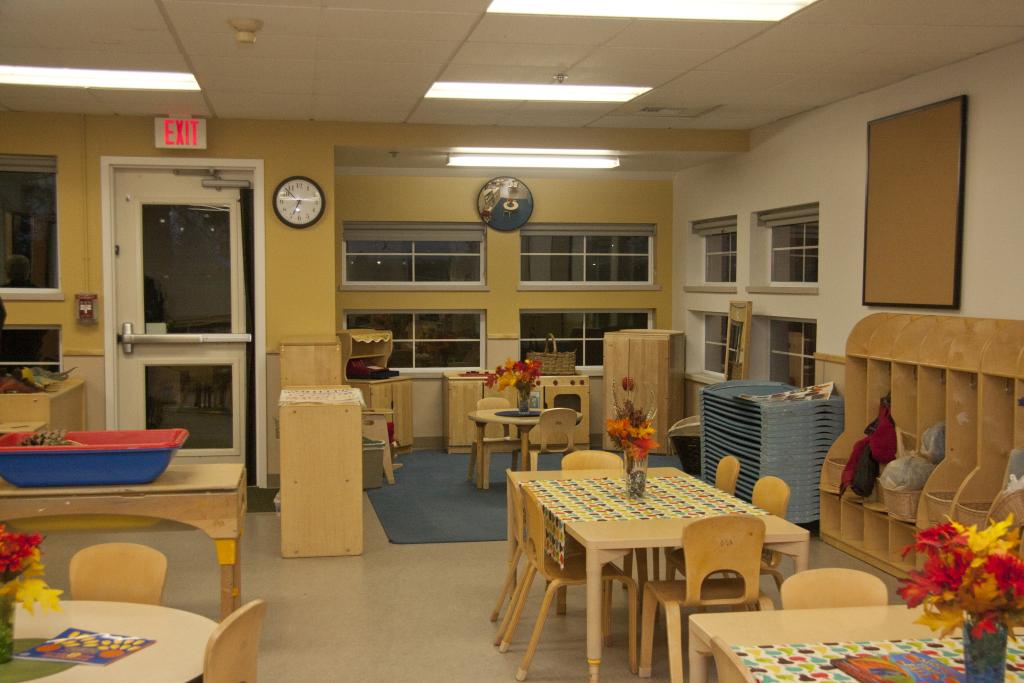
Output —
<point x="172" y="133"/>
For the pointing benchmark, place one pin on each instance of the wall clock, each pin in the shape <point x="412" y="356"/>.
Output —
<point x="505" y="203"/>
<point x="298" y="201"/>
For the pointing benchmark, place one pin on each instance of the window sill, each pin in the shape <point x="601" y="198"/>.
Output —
<point x="402" y="287"/>
<point x="710" y="289"/>
<point x="587" y="286"/>
<point x="10" y="294"/>
<point x="783" y="289"/>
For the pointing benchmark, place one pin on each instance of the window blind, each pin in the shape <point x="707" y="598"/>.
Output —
<point x="788" y="216"/>
<point x="424" y="232"/>
<point x="28" y="164"/>
<point x="557" y="229"/>
<point x="714" y="226"/>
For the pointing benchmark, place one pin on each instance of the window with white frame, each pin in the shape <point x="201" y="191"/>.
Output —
<point x="32" y="345"/>
<point x="792" y="351"/>
<point x="719" y="237"/>
<point x="428" y="339"/>
<point x="28" y="222"/>
<point x="794" y="243"/>
<point x="587" y="254"/>
<point x="579" y="331"/>
<point x="413" y="254"/>
<point x="715" y="328"/>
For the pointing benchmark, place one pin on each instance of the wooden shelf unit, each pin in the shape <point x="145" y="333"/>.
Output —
<point x="62" y="408"/>
<point x="460" y="394"/>
<point x="967" y="372"/>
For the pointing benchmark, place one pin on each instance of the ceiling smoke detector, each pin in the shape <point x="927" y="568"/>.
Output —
<point x="245" y="30"/>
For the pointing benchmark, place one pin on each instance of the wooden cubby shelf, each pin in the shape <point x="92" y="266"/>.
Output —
<point x="965" y="372"/>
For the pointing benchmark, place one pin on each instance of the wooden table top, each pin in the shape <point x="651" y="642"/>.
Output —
<point x="491" y="416"/>
<point x="176" y="656"/>
<point x="180" y="477"/>
<point x="648" y="533"/>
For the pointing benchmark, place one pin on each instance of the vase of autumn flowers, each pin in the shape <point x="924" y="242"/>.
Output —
<point x="974" y="580"/>
<point x="21" y="581"/>
<point x="632" y="428"/>
<point x="520" y="375"/>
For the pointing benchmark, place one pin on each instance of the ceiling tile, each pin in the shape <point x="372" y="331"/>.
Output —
<point x="647" y="58"/>
<point x="253" y="105"/>
<point x="689" y="35"/>
<point x="404" y="80"/>
<point x="342" y="24"/>
<point x="520" y="28"/>
<point x="275" y="74"/>
<point x="134" y="103"/>
<point x="836" y="38"/>
<point x="896" y="62"/>
<point x="620" y="75"/>
<point x="385" y="51"/>
<point x="939" y="38"/>
<point x="91" y="59"/>
<point x="914" y="12"/>
<point x="462" y="112"/>
<point x="213" y="17"/>
<point x="638" y="121"/>
<point x="558" y="114"/>
<point x="479" y="73"/>
<point x="753" y="59"/>
<point x="34" y="98"/>
<point x="817" y="89"/>
<point x="369" y="109"/>
<point x="478" y="6"/>
<point x="521" y="54"/>
<point x="222" y="44"/>
<point x="278" y="3"/>
<point x="707" y="88"/>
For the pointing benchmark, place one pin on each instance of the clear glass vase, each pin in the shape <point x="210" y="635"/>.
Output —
<point x="524" y="399"/>
<point x="984" y="654"/>
<point x="635" y="473"/>
<point x="7" y="605"/>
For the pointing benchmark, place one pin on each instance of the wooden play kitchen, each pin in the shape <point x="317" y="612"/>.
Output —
<point x="966" y="372"/>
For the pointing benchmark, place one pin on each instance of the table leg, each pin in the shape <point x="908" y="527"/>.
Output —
<point x="595" y="561"/>
<point x="230" y="575"/>
<point x="524" y="448"/>
<point x="698" y="654"/>
<point x="480" y="455"/>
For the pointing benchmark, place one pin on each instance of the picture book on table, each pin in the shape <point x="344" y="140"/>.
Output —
<point x="904" y="667"/>
<point x="78" y="646"/>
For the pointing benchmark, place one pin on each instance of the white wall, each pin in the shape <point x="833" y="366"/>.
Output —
<point x="821" y="157"/>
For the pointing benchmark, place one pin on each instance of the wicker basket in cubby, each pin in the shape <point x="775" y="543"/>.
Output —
<point x="973" y="512"/>
<point x="938" y="505"/>
<point x="901" y="504"/>
<point x="833" y="474"/>
<point x="1006" y="504"/>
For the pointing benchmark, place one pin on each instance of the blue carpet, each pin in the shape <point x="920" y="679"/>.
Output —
<point x="433" y="502"/>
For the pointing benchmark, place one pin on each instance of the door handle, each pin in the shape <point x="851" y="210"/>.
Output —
<point x="128" y="338"/>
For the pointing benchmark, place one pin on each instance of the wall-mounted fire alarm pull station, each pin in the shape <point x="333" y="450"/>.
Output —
<point x="85" y="308"/>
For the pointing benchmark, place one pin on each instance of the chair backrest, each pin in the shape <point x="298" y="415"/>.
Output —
<point x="233" y="648"/>
<point x="724" y="543"/>
<point x="591" y="460"/>
<point x="771" y="494"/>
<point x="118" y="572"/>
<point x="494" y="403"/>
<point x="729" y="667"/>
<point x="533" y="546"/>
<point x="833" y="587"/>
<point x="727" y="473"/>
<point x="516" y="513"/>
<point x="556" y="426"/>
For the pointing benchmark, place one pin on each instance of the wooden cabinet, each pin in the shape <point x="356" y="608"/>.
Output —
<point x="394" y="394"/>
<point x="966" y="372"/>
<point x="655" y="359"/>
<point x="460" y="394"/>
<point x="321" y="480"/>
<point x="60" y="409"/>
<point x="311" y="362"/>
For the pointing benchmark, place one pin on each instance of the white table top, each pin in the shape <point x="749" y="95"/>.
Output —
<point x="176" y="656"/>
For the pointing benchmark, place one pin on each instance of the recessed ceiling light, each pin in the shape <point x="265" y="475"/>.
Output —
<point x="534" y="150"/>
<point x="727" y="10"/>
<point x="549" y="92"/>
<point x="97" y="78"/>
<point x="531" y="161"/>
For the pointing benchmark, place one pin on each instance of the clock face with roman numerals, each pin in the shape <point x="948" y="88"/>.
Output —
<point x="298" y="201"/>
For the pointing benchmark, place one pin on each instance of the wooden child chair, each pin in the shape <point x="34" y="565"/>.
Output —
<point x="727" y="473"/>
<point x="118" y="572"/>
<point x="771" y="494"/>
<point x="833" y="587"/>
<point x="591" y="460"/>
<point x="556" y="426"/>
<point x="233" y="649"/>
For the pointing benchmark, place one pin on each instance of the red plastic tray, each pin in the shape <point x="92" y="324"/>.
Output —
<point x="118" y="440"/>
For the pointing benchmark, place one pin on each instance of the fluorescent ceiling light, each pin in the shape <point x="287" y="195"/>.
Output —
<point x="728" y="10"/>
<point x="550" y="92"/>
<point x="97" y="78"/>
<point x="534" y="150"/>
<point x="531" y="161"/>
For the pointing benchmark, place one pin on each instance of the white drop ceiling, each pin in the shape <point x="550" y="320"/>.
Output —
<point x="372" y="60"/>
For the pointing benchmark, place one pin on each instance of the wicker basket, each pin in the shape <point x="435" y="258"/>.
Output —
<point x="1007" y="504"/>
<point x="553" y="361"/>
<point x="833" y="474"/>
<point x="973" y="512"/>
<point x="901" y="505"/>
<point x="939" y="504"/>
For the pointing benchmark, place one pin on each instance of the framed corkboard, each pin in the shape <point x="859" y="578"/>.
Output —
<point x="913" y="224"/>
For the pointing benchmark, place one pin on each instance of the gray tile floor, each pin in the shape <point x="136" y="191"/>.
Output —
<point x="396" y="613"/>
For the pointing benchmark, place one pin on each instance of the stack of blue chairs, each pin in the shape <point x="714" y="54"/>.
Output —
<point x="786" y="439"/>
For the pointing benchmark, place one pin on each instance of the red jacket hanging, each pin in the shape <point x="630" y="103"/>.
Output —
<point x="881" y="442"/>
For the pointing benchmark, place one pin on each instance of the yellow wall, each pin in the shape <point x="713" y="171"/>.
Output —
<point x="420" y="198"/>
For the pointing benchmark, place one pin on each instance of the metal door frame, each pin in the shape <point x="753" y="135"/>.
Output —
<point x="109" y="165"/>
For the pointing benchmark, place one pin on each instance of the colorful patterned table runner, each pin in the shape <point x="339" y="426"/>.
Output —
<point x="604" y="500"/>
<point x="812" y="661"/>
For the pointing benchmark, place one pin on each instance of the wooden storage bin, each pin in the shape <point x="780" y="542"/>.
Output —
<point x="63" y="408"/>
<point x="395" y="395"/>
